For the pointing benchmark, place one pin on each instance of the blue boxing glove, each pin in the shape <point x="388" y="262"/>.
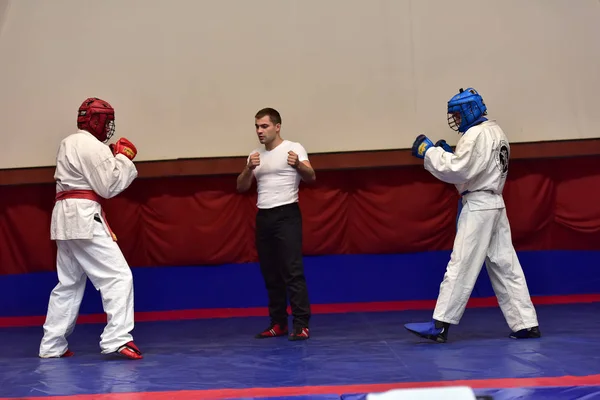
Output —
<point x="442" y="143"/>
<point x="421" y="145"/>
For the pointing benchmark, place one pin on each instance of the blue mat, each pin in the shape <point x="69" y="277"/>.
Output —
<point x="346" y="349"/>
<point x="531" y="393"/>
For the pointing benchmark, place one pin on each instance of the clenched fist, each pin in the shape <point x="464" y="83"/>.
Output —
<point x="254" y="161"/>
<point x="292" y="159"/>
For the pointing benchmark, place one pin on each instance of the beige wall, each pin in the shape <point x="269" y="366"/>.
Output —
<point x="186" y="76"/>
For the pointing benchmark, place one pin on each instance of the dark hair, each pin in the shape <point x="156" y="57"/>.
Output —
<point x="272" y="113"/>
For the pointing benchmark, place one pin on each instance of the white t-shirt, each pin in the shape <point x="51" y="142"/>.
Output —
<point x="277" y="182"/>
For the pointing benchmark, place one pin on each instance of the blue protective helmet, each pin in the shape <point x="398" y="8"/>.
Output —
<point x="469" y="104"/>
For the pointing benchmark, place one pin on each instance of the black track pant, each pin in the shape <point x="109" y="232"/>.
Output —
<point x="279" y="247"/>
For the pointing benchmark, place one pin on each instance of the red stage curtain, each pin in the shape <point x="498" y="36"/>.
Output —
<point x="577" y="204"/>
<point x="400" y="210"/>
<point x="551" y="204"/>
<point x="529" y="196"/>
<point x="25" y="229"/>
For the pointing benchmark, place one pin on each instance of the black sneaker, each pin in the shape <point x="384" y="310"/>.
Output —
<point x="529" y="333"/>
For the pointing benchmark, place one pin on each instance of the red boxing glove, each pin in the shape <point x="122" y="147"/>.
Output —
<point x="125" y="147"/>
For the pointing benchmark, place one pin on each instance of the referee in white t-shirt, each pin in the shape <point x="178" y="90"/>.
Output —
<point x="279" y="167"/>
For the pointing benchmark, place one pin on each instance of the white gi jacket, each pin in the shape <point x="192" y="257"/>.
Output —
<point x="478" y="167"/>
<point x="83" y="162"/>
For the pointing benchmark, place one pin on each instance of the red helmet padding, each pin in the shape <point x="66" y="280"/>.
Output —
<point x="94" y="115"/>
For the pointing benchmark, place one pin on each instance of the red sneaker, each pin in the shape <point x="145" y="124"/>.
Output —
<point x="300" y="334"/>
<point x="68" y="353"/>
<point x="273" y="330"/>
<point x="131" y="351"/>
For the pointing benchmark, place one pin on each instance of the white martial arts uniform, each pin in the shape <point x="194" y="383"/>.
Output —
<point x="478" y="168"/>
<point x="85" y="245"/>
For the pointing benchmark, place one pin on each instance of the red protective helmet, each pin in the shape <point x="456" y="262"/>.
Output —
<point x="97" y="117"/>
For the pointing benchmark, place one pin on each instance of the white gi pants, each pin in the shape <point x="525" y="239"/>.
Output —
<point x="101" y="260"/>
<point x="484" y="236"/>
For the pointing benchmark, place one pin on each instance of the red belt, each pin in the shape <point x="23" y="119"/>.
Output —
<point x="86" y="195"/>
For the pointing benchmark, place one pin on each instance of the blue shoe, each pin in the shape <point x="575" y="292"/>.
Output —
<point x="428" y="330"/>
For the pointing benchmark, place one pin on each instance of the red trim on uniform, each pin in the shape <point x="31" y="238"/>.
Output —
<point x="86" y="195"/>
<point x="147" y="316"/>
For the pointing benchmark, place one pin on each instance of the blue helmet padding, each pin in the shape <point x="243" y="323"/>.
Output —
<point x="471" y="107"/>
